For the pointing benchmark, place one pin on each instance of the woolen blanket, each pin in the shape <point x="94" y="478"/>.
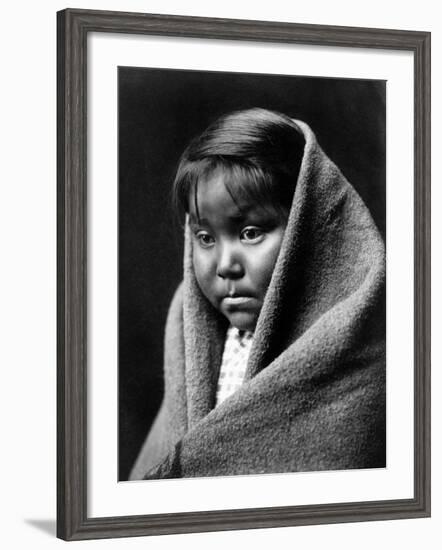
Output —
<point x="314" y="392"/>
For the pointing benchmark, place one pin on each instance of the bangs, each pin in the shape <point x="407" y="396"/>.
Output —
<point x="244" y="181"/>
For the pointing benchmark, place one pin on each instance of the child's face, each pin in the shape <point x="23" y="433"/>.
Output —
<point x="235" y="247"/>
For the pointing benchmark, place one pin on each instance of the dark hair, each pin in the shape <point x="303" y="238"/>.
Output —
<point x="259" y="153"/>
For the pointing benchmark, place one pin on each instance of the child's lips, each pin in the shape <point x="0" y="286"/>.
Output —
<point x="237" y="301"/>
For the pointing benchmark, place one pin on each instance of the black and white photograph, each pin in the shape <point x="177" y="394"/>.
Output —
<point x="251" y="273"/>
<point x="219" y="236"/>
<point x="243" y="274"/>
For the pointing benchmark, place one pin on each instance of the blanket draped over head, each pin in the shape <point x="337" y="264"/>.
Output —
<point x="313" y="397"/>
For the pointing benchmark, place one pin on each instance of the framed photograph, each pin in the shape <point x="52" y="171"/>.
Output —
<point x="243" y="274"/>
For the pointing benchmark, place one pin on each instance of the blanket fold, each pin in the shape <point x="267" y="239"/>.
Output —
<point x="314" y="392"/>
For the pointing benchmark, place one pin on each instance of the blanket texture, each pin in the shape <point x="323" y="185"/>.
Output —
<point x="314" y="392"/>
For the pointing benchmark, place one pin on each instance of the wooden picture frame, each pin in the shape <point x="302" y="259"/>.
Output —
<point x="74" y="26"/>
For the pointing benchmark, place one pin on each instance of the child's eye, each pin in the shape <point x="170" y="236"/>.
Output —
<point x="204" y="239"/>
<point x="252" y="234"/>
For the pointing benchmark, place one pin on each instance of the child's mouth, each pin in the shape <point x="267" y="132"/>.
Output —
<point x="232" y="301"/>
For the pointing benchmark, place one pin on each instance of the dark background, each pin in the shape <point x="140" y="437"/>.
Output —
<point x="159" y="111"/>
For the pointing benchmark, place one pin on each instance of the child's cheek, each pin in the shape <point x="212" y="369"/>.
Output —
<point x="205" y="272"/>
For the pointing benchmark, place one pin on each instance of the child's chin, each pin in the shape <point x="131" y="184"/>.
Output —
<point x="242" y="320"/>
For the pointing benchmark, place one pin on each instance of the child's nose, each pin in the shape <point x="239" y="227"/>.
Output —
<point x="229" y="264"/>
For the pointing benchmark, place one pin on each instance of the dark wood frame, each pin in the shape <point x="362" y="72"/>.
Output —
<point x="73" y="28"/>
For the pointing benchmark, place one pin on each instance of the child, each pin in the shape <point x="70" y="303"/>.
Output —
<point x="275" y="341"/>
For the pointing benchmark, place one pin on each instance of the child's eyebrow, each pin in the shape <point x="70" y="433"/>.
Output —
<point x="239" y="217"/>
<point x="193" y="220"/>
